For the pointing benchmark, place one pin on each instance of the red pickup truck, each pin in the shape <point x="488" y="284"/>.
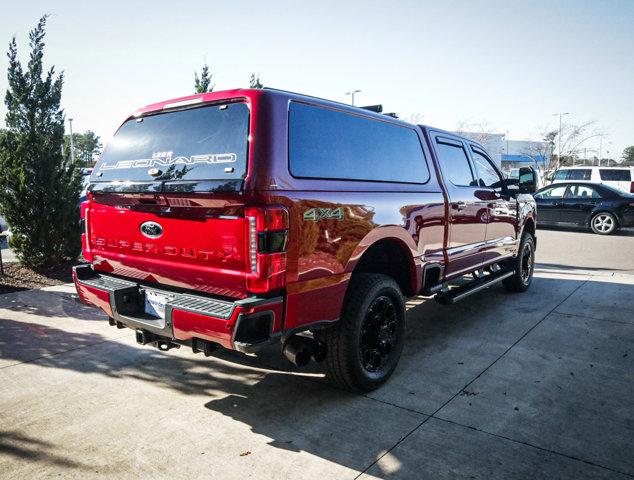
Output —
<point x="246" y="217"/>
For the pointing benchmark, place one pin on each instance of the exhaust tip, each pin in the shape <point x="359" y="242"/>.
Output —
<point x="299" y="350"/>
<point x="319" y="352"/>
<point x="205" y="346"/>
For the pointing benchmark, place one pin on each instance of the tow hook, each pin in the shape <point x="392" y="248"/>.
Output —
<point x="165" y="345"/>
<point x="300" y="350"/>
<point x="143" y="337"/>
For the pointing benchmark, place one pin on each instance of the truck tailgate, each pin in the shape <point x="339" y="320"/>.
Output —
<point x="183" y="241"/>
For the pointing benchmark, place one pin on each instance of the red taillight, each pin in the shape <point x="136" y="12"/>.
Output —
<point x="267" y="231"/>
<point x="632" y="187"/>
<point x="84" y="214"/>
<point x="82" y="209"/>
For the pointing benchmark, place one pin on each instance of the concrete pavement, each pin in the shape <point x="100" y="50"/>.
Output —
<point x="576" y="248"/>
<point x="536" y="385"/>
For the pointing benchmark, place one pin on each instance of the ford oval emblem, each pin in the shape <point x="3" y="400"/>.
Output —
<point x="151" y="229"/>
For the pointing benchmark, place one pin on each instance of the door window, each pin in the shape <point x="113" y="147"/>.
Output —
<point x="487" y="175"/>
<point x="455" y="164"/>
<point x="573" y="174"/>
<point x="581" y="191"/>
<point x="553" y="192"/>
<point x="579" y="174"/>
<point x="615" y="175"/>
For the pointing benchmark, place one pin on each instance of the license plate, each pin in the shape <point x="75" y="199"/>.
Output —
<point x="155" y="303"/>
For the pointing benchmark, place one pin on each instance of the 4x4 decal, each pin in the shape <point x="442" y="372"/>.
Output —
<point x="316" y="214"/>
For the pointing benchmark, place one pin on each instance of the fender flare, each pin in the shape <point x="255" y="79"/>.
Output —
<point x="527" y="219"/>
<point x="400" y="237"/>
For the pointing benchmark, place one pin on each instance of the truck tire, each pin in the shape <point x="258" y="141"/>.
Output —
<point x="522" y="265"/>
<point x="365" y="345"/>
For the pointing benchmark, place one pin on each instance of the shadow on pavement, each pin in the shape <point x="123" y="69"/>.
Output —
<point x="558" y="266"/>
<point x="447" y="348"/>
<point x="624" y="232"/>
<point x="48" y="304"/>
<point x="20" y="446"/>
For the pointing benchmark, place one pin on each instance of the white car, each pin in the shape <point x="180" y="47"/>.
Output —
<point x="514" y="174"/>
<point x="620" y="178"/>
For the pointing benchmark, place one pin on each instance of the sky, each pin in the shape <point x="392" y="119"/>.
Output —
<point x="508" y="64"/>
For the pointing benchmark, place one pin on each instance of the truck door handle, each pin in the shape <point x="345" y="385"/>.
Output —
<point x="459" y="206"/>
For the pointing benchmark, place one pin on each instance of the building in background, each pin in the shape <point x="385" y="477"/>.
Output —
<point x="492" y="142"/>
<point x="508" y="154"/>
<point x="524" y="153"/>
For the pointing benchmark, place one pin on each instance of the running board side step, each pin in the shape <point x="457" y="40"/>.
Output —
<point x="456" y="294"/>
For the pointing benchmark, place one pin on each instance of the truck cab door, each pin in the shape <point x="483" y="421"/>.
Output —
<point x="467" y="213"/>
<point x="501" y="227"/>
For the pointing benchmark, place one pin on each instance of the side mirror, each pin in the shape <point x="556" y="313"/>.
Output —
<point x="527" y="180"/>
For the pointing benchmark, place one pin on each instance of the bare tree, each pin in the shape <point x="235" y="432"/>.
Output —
<point x="484" y="134"/>
<point x="477" y="131"/>
<point x="574" y="138"/>
<point x="540" y="151"/>
<point x="415" y="118"/>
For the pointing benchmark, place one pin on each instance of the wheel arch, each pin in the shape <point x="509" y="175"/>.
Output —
<point x="600" y="210"/>
<point x="529" y="226"/>
<point x="390" y="251"/>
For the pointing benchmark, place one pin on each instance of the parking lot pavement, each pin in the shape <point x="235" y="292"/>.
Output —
<point x="575" y="248"/>
<point x="534" y="385"/>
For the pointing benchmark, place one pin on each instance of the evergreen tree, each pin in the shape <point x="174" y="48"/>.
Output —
<point x="203" y="84"/>
<point x="39" y="188"/>
<point x="255" y="81"/>
<point x="87" y="147"/>
<point x="628" y="155"/>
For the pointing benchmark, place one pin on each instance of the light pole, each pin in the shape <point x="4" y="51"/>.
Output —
<point x="601" y="149"/>
<point x="351" y="93"/>
<point x="72" y="142"/>
<point x="559" y="136"/>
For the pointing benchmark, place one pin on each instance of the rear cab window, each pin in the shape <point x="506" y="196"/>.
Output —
<point x="331" y="144"/>
<point x="203" y="143"/>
